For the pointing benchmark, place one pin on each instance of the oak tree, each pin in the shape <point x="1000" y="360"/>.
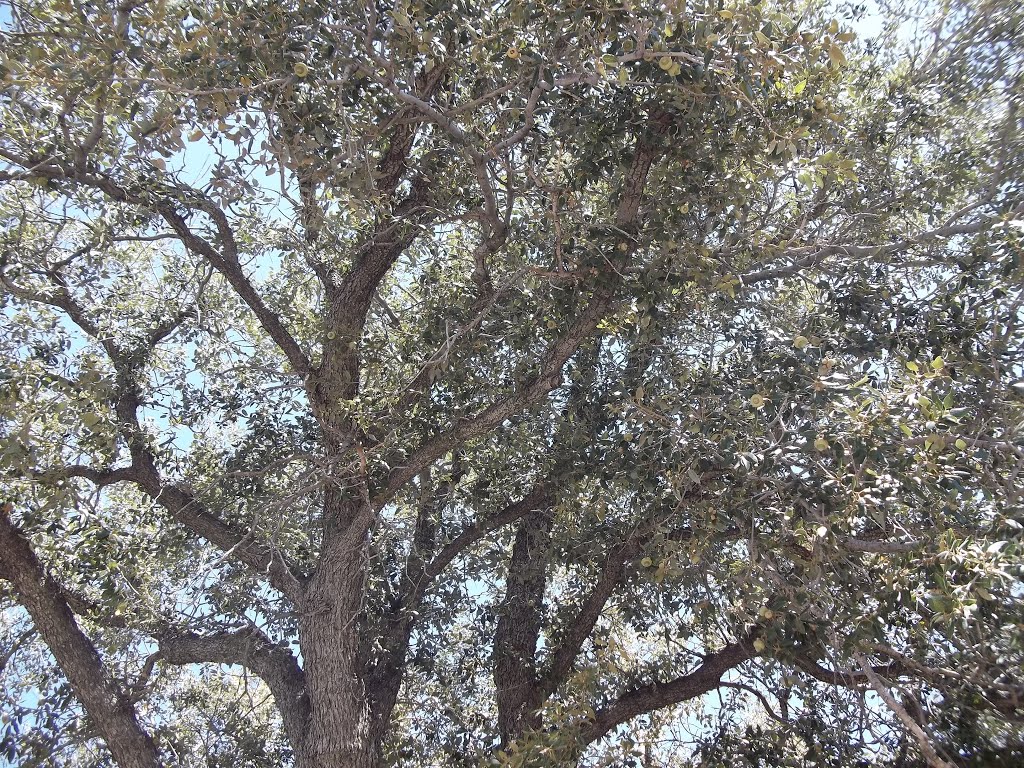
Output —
<point x="562" y="382"/>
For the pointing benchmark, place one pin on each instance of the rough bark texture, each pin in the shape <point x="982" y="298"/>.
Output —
<point x="250" y="648"/>
<point x="703" y="679"/>
<point x="519" y="624"/>
<point x="105" y="704"/>
<point x="342" y="714"/>
<point x="338" y="733"/>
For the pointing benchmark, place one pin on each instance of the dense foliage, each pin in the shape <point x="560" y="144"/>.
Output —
<point x="526" y="383"/>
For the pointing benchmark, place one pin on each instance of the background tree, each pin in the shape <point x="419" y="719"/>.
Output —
<point x="526" y="383"/>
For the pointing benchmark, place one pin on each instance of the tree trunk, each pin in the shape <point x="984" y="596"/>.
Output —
<point x="515" y="641"/>
<point x="338" y="734"/>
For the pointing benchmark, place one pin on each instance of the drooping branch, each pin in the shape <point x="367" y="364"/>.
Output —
<point x="104" y="701"/>
<point x="880" y="546"/>
<point x="190" y="512"/>
<point x="1005" y="696"/>
<point x="249" y="648"/>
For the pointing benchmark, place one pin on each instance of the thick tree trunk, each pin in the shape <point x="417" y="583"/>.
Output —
<point x="338" y="734"/>
<point x="515" y="640"/>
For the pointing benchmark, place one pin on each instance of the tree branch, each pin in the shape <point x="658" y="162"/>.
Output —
<point x="549" y="374"/>
<point x="143" y="471"/>
<point x="802" y="258"/>
<point x="385" y="676"/>
<point x="226" y="262"/>
<point x="519" y="623"/>
<point x="573" y="638"/>
<point x="252" y="649"/>
<point x="657" y="695"/>
<point x="915" y="730"/>
<point x="106" y="704"/>
<point x="852" y="680"/>
<point x="536" y="498"/>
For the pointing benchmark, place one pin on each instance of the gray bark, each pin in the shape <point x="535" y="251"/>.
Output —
<point x="338" y="732"/>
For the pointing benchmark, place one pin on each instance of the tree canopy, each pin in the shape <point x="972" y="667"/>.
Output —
<point x="560" y="383"/>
